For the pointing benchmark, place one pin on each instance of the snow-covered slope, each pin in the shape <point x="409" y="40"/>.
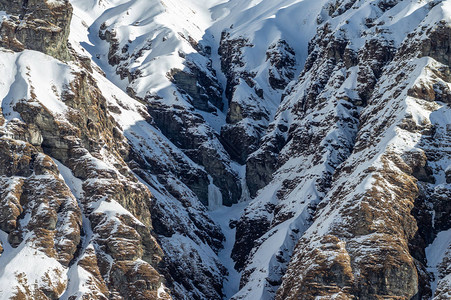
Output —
<point x="153" y="50"/>
<point x="225" y="149"/>
<point x="66" y="190"/>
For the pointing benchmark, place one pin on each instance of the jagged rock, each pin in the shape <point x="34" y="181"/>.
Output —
<point x="39" y="213"/>
<point x="175" y="124"/>
<point x="110" y="196"/>
<point x="247" y="116"/>
<point x="283" y="61"/>
<point x="199" y="86"/>
<point x="448" y="175"/>
<point x="437" y="43"/>
<point x="443" y="290"/>
<point x="345" y="141"/>
<point x="248" y="231"/>
<point x="231" y="55"/>
<point x="260" y="168"/>
<point x="40" y="25"/>
<point x="238" y="142"/>
<point x="396" y="263"/>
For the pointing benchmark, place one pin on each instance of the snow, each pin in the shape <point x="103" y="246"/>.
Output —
<point x="223" y="216"/>
<point x="79" y="280"/>
<point x="435" y="253"/>
<point x="146" y="22"/>
<point x="74" y="184"/>
<point x="162" y="30"/>
<point x="54" y="1"/>
<point x="408" y="14"/>
<point x="32" y="76"/>
<point x="112" y="209"/>
<point x="37" y="269"/>
<point x="135" y="127"/>
<point x="215" y="120"/>
<point x="161" y="291"/>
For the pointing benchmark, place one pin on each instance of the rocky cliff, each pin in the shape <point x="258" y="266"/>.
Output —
<point x="295" y="149"/>
<point x="345" y="166"/>
<point x="37" y="25"/>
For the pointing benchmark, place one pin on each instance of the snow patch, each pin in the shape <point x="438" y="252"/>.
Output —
<point x="435" y="253"/>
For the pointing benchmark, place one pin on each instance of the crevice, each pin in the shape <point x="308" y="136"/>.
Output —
<point x="424" y="236"/>
<point x="24" y="9"/>
<point x="80" y="248"/>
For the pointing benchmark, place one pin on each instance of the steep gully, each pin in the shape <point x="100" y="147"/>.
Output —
<point x="222" y="215"/>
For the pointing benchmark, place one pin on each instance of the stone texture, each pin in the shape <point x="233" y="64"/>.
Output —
<point x="351" y="212"/>
<point x="37" y="210"/>
<point x="177" y="123"/>
<point x="39" y="25"/>
<point x="365" y="260"/>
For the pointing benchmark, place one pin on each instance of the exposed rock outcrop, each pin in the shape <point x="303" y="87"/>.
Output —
<point x="373" y="250"/>
<point x="318" y="153"/>
<point x="180" y="126"/>
<point x="40" y="25"/>
<point x="197" y="89"/>
<point x="113" y="246"/>
<point x="336" y="140"/>
<point x="38" y="212"/>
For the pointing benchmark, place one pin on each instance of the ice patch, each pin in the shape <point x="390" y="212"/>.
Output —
<point x="214" y="195"/>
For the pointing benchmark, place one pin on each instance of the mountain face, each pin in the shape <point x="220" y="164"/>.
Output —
<point x="293" y="149"/>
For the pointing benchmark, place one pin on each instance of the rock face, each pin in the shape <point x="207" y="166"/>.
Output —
<point x="37" y="207"/>
<point x="88" y="221"/>
<point x="247" y="117"/>
<point x="195" y="88"/>
<point x="187" y="130"/>
<point x="131" y="124"/>
<point x="193" y="91"/>
<point x="84" y="217"/>
<point x="328" y="166"/>
<point x="40" y="25"/>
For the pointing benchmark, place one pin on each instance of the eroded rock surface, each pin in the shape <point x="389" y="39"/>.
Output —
<point x="41" y="25"/>
<point x="329" y="119"/>
<point x="346" y="197"/>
